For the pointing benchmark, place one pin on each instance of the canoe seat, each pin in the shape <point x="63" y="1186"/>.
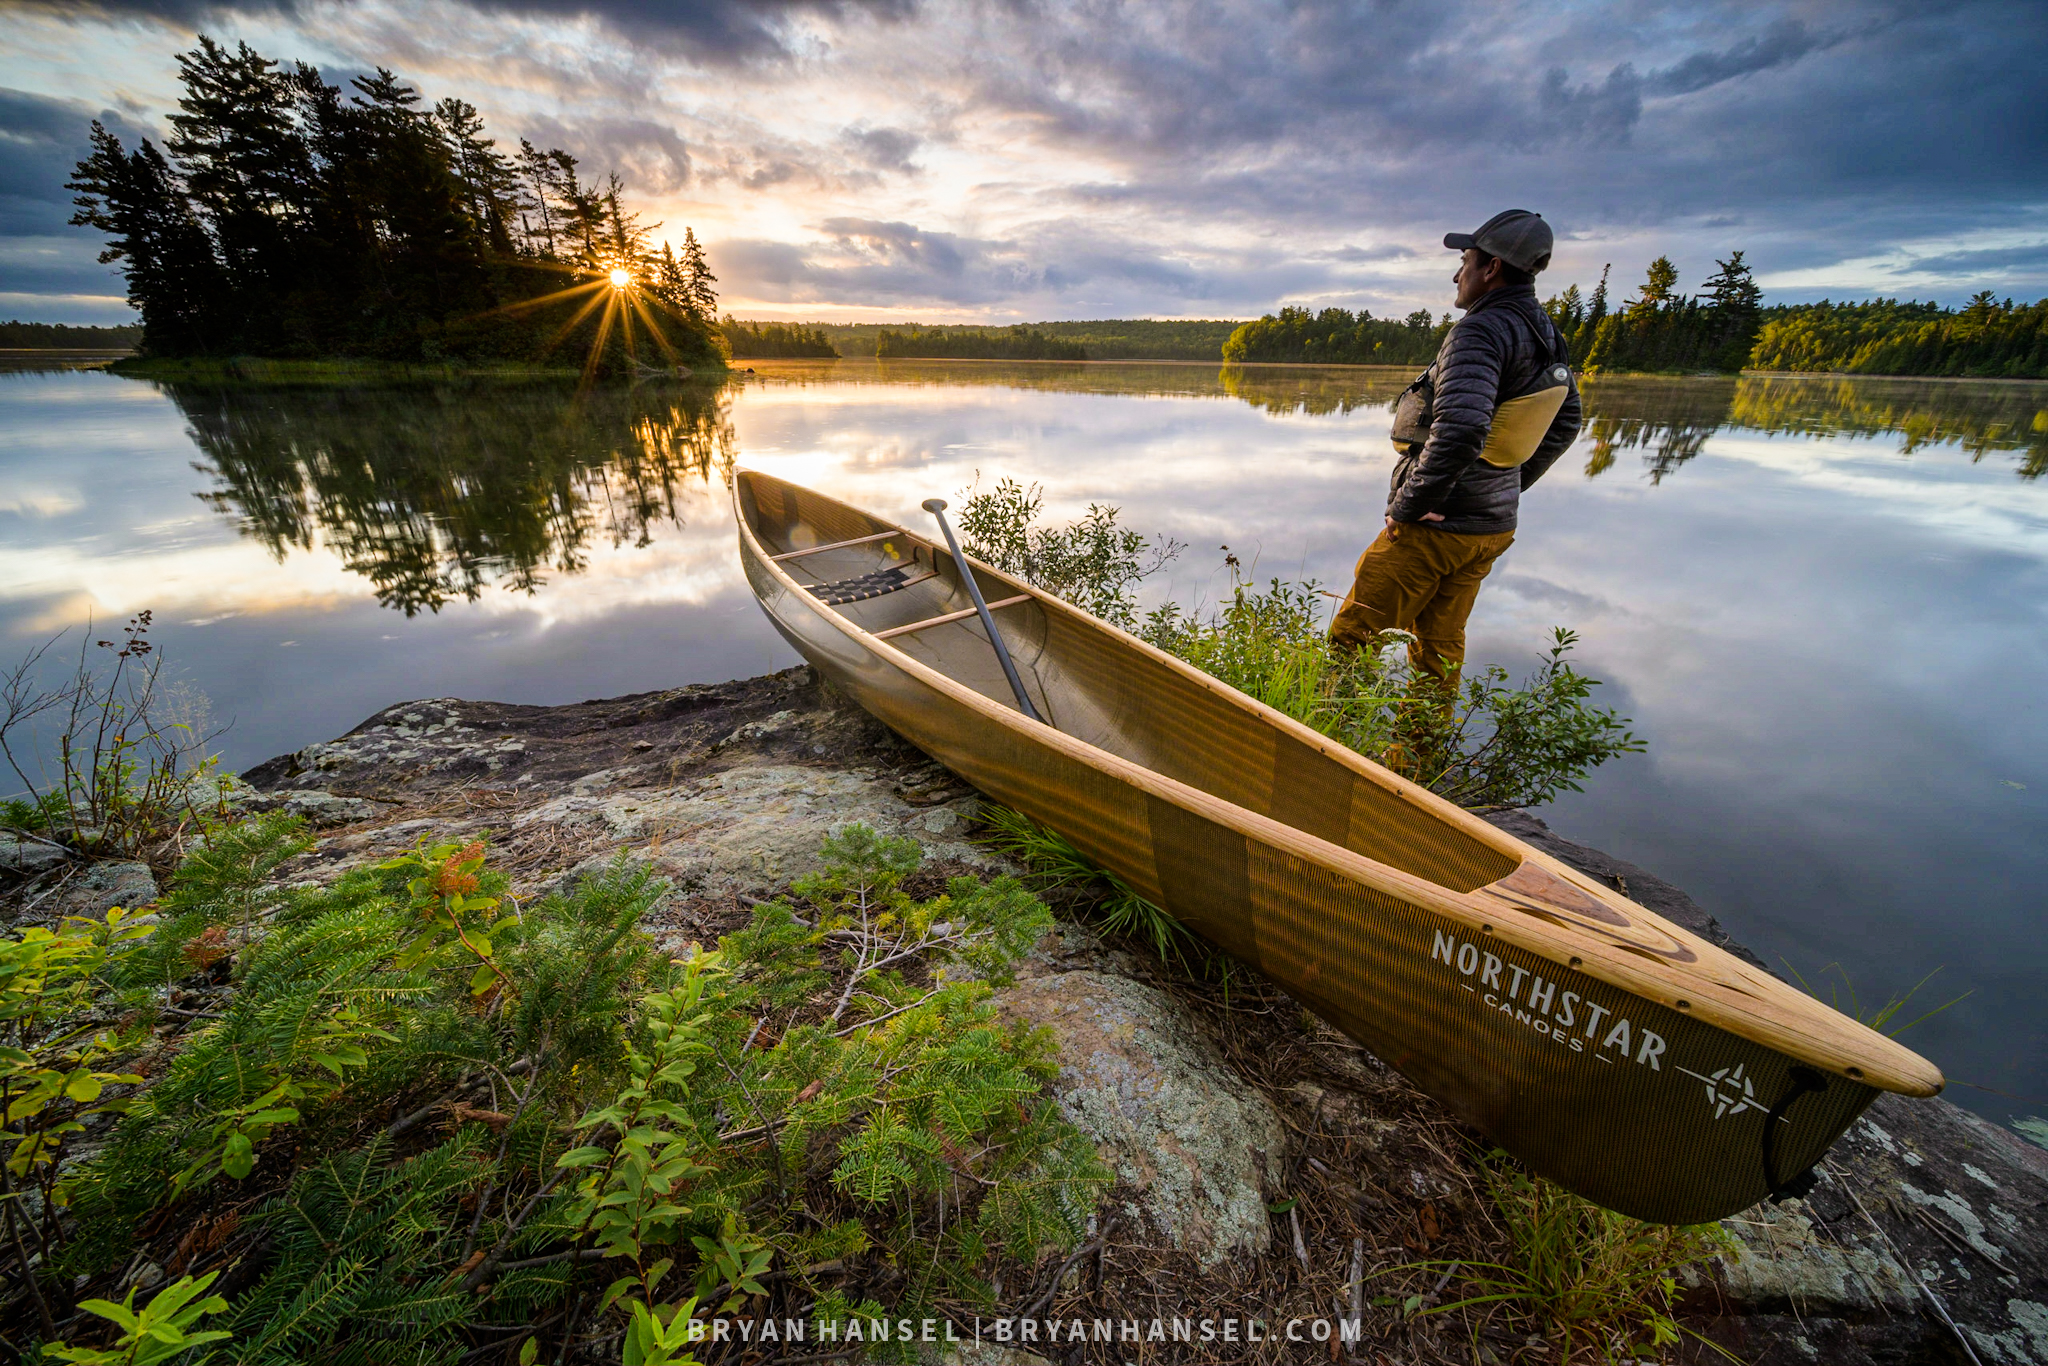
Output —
<point x="874" y="584"/>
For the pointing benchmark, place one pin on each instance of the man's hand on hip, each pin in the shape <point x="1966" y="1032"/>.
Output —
<point x="1427" y="517"/>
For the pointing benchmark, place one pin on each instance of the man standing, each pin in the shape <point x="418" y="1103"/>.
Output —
<point x="1490" y="415"/>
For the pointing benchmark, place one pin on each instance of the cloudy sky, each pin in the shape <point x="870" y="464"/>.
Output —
<point x="957" y="160"/>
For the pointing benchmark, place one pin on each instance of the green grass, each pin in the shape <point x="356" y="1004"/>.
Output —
<point x="1055" y="863"/>
<point x="1842" y="997"/>
<point x="1598" y="1285"/>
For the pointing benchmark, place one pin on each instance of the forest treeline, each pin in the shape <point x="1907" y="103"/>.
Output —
<point x="1724" y="327"/>
<point x="1336" y="336"/>
<point x="1986" y="337"/>
<point x="775" y="341"/>
<point x="1199" y="339"/>
<point x="16" y="335"/>
<point x="1008" y="343"/>
<point x="286" y="217"/>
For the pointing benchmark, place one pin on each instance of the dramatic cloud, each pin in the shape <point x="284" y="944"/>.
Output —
<point x="1062" y="157"/>
<point x="1785" y="41"/>
<point x="716" y="30"/>
<point x="49" y="271"/>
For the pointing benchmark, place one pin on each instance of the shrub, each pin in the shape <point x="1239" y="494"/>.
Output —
<point x="117" y="750"/>
<point x="1488" y="744"/>
<point x="412" y="1110"/>
<point x="1094" y="564"/>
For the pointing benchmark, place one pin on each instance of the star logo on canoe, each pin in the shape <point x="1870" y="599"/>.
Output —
<point x="1728" y="1091"/>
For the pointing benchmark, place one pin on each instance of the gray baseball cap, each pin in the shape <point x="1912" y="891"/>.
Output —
<point x="1518" y="237"/>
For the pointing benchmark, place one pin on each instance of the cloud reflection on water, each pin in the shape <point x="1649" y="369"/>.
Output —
<point x="1821" y="599"/>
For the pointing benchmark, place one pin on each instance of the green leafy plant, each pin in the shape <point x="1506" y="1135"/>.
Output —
<point x="652" y="1340"/>
<point x="54" y="1056"/>
<point x="161" y="1330"/>
<point x="1485" y="743"/>
<point x="448" y="892"/>
<point x="1094" y="564"/>
<point x="428" y="1167"/>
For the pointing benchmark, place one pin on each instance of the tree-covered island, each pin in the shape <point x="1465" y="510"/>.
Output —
<point x="285" y="217"/>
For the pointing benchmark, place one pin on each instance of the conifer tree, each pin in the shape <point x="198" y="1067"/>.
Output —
<point x="286" y="216"/>
<point x="1596" y="311"/>
<point x="1567" y="311"/>
<point x="174" y="278"/>
<point x="1735" y="309"/>
<point x="490" y="183"/>
<point x="1657" y="290"/>
<point x="698" y="279"/>
<point x="538" y="168"/>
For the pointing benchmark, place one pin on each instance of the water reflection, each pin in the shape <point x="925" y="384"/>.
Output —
<point x="1667" y="419"/>
<point x="433" y="492"/>
<point x="1821" y="599"/>
<point x="1981" y="417"/>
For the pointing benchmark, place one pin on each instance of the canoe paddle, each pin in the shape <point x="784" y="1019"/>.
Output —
<point x="937" y="508"/>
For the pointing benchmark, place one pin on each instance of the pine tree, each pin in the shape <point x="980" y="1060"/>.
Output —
<point x="583" y="215"/>
<point x="1657" y="289"/>
<point x="538" y="168"/>
<point x="1582" y="340"/>
<point x="174" y="278"/>
<point x="1567" y="310"/>
<point x="702" y="299"/>
<point x="1734" y="313"/>
<point x="490" y="182"/>
<point x="288" y="217"/>
<point x="625" y="238"/>
<point x="246" y="165"/>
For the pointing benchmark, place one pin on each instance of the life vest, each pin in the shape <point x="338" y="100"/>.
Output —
<point x="1519" y="421"/>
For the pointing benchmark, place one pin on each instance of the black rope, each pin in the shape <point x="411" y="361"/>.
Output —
<point x="1804" y="1080"/>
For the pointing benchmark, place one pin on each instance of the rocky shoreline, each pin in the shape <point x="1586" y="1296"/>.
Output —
<point x="1215" y="1104"/>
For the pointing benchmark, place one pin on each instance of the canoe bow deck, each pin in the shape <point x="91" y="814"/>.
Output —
<point x="1616" y="1053"/>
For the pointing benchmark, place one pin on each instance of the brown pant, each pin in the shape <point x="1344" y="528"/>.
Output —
<point x="1417" y="578"/>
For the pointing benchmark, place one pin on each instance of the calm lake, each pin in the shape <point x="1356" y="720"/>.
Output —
<point x="1823" y="602"/>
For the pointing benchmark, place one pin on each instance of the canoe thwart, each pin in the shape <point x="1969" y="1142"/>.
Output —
<point x="836" y="545"/>
<point x="960" y="615"/>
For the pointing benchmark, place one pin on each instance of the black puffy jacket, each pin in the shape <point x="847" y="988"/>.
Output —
<point x="1497" y="350"/>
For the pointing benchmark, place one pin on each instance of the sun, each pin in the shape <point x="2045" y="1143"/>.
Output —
<point x="620" y="277"/>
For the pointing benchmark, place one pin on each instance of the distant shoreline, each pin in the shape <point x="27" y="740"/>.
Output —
<point x="258" y="370"/>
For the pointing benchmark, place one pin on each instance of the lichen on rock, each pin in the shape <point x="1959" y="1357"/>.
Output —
<point x="1195" y="1149"/>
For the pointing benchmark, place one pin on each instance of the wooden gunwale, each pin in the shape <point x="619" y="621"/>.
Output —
<point x="1718" y="989"/>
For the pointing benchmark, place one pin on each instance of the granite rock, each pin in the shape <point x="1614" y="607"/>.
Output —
<point x="1196" y="1148"/>
<point x="28" y="857"/>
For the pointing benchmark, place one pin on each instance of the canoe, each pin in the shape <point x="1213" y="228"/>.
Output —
<point x="1607" y="1049"/>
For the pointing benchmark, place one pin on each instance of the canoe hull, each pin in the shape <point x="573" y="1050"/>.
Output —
<point x="1632" y="1104"/>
